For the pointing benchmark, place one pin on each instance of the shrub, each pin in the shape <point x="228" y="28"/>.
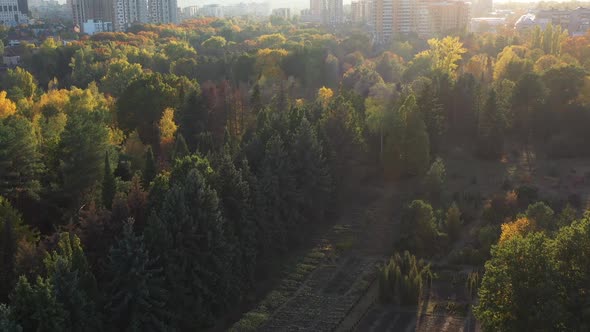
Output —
<point x="402" y="280"/>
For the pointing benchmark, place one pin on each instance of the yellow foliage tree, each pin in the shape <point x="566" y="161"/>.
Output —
<point x="268" y="62"/>
<point x="520" y="226"/>
<point x="325" y="95"/>
<point x="7" y="106"/>
<point x="446" y="53"/>
<point x="167" y="127"/>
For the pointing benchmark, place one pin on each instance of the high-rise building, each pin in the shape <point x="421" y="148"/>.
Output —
<point x="332" y="12"/>
<point x="128" y="12"/>
<point x="10" y="13"/>
<point x="282" y="12"/>
<point x="95" y="10"/>
<point x="426" y="18"/>
<point x="361" y="11"/>
<point x="315" y="7"/>
<point x="23" y="6"/>
<point x="163" y="11"/>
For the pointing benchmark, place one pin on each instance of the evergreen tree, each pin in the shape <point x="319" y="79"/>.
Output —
<point x="416" y="151"/>
<point x="35" y="307"/>
<point x="73" y="284"/>
<point x="20" y="160"/>
<point x="150" y="170"/>
<point x="453" y="222"/>
<point x="7" y="260"/>
<point x="490" y="130"/>
<point x="82" y="149"/>
<point x="180" y="148"/>
<point x="109" y="185"/>
<point x="240" y="229"/>
<point x="136" y="298"/>
<point x="435" y="179"/>
<point x="187" y="233"/>
<point x="433" y="114"/>
<point x="7" y="323"/>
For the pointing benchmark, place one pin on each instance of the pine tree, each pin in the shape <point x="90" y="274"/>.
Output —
<point x="109" y="185"/>
<point x="136" y="298"/>
<point x="180" y="148"/>
<point x="150" y="170"/>
<point x="7" y="259"/>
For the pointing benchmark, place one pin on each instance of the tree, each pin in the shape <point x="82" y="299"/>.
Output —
<point x="82" y="148"/>
<point x="136" y="296"/>
<point x="214" y="43"/>
<point x="7" y="259"/>
<point x="490" y="131"/>
<point x="150" y="170"/>
<point x="445" y="54"/>
<point x="19" y="84"/>
<point x="180" y="148"/>
<point x="418" y="228"/>
<point x="167" y="127"/>
<point x="7" y="106"/>
<point x="416" y="151"/>
<point x="20" y="160"/>
<point x="73" y="283"/>
<point x="187" y="233"/>
<point x="35" y="307"/>
<point x="8" y="324"/>
<point x="435" y="178"/>
<point x="453" y="222"/>
<point x="109" y="185"/>
<point x="390" y="67"/>
<point x="520" y="226"/>
<point x="542" y="215"/>
<point x="521" y="288"/>
<point x="120" y="74"/>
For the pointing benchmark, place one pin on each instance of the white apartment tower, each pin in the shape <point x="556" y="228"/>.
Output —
<point x="10" y="13"/>
<point x="128" y="12"/>
<point x="163" y="11"/>
<point x="332" y="12"/>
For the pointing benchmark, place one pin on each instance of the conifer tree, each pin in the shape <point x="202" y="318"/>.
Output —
<point x="7" y="323"/>
<point x="150" y="171"/>
<point x="416" y="152"/>
<point x="109" y="186"/>
<point x="7" y="259"/>
<point x="490" y="130"/>
<point x="35" y="307"/>
<point x="180" y="148"/>
<point x="20" y="160"/>
<point x="136" y="298"/>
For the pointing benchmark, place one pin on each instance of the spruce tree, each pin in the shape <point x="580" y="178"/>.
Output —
<point x="136" y="298"/>
<point x="150" y="170"/>
<point x="490" y="136"/>
<point x="180" y="148"/>
<point x="35" y="307"/>
<point x="187" y="233"/>
<point x="7" y="323"/>
<point x="416" y="152"/>
<point x="109" y="185"/>
<point x="7" y="259"/>
<point x="20" y="160"/>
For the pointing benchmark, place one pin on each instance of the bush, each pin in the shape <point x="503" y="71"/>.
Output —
<point x="402" y="280"/>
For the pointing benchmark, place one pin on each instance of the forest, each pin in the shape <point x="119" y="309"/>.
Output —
<point x="151" y="180"/>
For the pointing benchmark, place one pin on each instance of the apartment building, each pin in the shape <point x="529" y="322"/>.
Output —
<point x="361" y="11"/>
<point x="163" y="11"/>
<point x="282" y="12"/>
<point x="128" y="12"/>
<point x="10" y="14"/>
<point x="332" y="12"/>
<point x="576" y="22"/>
<point x="426" y="18"/>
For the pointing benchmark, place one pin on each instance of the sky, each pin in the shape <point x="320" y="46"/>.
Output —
<point x="300" y="4"/>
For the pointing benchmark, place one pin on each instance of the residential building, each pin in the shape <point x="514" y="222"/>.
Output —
<point x="487" y="24"/>
<point x="128" y="12"/>
<point x="96" y="10"/>
<point x="10" y="14"/>
<point x="163" y="11"/>
<point x="282" y="12"/>
<point x="360" y="11"/>
<point x="190" y="11"/>
<point x="483" y="7"/>
<point x="23" y="6"/>
<point x="211" y="11"/>
<point x="576" y="22"/>
<point x="253" y="9"/>
<point x="426" y="18"/>
<point x="332" y="12"/>
<point x="95" y="26"/>
<point x="315" y="8"/>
